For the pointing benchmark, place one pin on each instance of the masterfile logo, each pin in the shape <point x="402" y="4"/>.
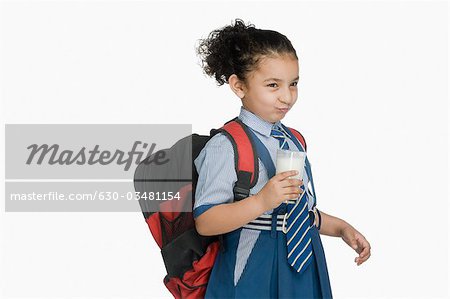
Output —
<point x="54" y="155"/>
<point x="89" y="167"/>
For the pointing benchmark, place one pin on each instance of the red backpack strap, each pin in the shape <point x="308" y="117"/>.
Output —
<point x="245" y="157"/>
<point x="299" y="137"/>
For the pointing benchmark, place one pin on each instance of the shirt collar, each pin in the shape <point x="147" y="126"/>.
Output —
<point x="257" y="123"/>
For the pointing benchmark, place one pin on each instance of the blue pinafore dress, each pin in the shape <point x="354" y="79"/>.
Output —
<point x="266" y="273"/>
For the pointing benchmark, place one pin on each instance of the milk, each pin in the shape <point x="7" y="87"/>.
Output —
<point x="290" y="160"/>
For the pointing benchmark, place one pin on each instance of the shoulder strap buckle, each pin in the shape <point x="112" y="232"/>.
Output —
<point x="241" y="189"/>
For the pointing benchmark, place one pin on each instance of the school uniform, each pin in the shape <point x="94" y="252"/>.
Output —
<point x="254" y="263"/>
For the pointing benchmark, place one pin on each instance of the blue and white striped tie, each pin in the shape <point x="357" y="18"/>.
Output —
<point x="298" y="239"/>
<point x="278" y="133"/>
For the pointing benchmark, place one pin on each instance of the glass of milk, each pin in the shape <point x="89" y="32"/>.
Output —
<point x="290" y="160"/>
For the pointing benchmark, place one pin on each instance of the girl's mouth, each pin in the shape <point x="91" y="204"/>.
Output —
<point x="284" y="110"/>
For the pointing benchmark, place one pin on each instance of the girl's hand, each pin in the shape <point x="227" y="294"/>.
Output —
<point x="279" y="189"/>
<point x="356" y="241"/>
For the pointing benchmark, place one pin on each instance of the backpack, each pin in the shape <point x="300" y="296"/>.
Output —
<point x="188" y="256"/>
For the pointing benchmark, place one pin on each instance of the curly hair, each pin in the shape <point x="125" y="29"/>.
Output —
<point x="237" y="49"/>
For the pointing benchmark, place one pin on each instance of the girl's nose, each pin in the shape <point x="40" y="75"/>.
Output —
<point x="286" y="99"/>
<point x="286" y="96"/>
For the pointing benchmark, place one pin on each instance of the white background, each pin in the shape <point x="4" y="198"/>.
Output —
<point x="373" y="107"/>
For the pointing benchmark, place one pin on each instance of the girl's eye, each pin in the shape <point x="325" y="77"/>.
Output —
<point x="275" y="84"/>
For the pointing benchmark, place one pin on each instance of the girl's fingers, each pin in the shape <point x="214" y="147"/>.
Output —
<point x="284" y="175"/>
<point x="291" y="182"/>
<point x="360" y="260"/>
<point x="365" y="252"/>
<point x="286" y="197"/>
<point x="293" y="191"/>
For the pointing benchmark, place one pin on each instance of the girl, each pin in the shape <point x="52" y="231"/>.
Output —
<point x="261" y="68"/>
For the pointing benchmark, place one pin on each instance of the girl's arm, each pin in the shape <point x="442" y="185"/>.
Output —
<point x="227" y="217"/>
<point x="335" y="227"/>
<point x="331" y="226"/>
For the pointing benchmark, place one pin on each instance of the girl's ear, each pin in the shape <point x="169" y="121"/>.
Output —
<point x="237" y="86"/>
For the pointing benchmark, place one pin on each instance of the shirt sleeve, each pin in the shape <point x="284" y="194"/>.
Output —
<point x="216" y="174"/>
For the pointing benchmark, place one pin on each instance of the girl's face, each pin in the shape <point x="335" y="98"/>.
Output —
<point x="271" y="89"/>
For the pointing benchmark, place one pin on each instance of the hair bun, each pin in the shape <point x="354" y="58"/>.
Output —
<point x="236" y="48"/>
